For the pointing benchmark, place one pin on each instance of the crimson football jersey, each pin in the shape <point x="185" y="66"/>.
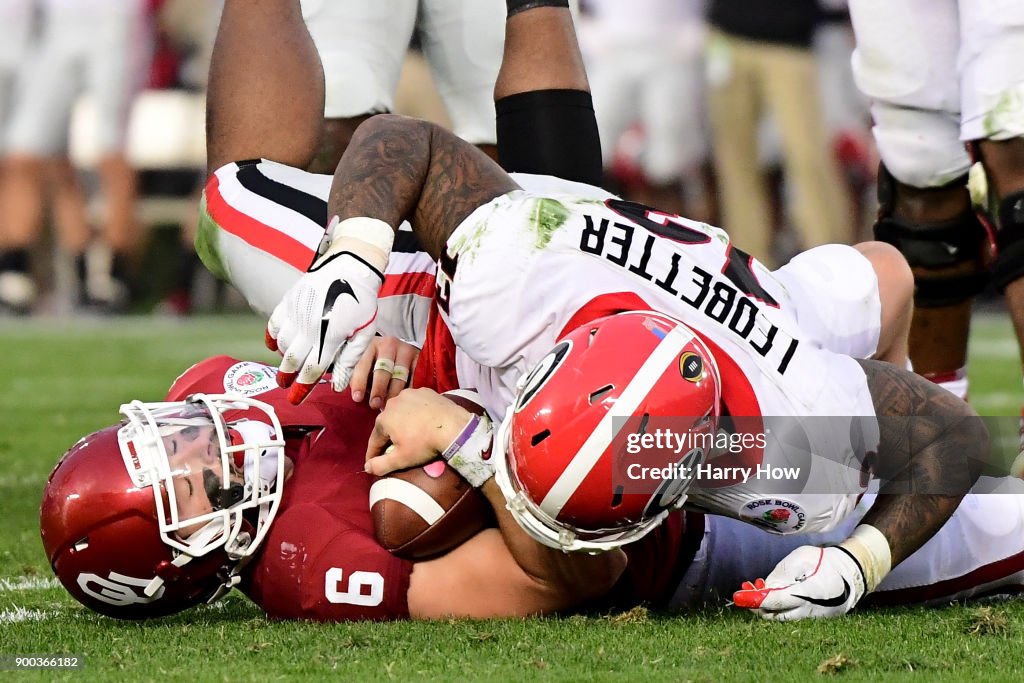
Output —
<point x="656" y="564"/>
<point x="320" y="560"/>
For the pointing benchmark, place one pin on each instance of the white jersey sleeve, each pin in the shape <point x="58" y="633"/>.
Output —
<point x="260" y="225"/>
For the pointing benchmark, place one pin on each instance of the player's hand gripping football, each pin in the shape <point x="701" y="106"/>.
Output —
<point x="414" y="427"/>
<point x="809" y="582"/>
<point x="327" y="317"/>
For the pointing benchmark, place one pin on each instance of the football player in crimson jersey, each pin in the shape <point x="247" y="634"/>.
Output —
<point x="552" y="259"/>
<point x="138" y="521"/>
<point x="290" y="524"/>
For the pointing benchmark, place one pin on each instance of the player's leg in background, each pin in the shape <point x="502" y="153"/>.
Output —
<point x="260" y="222"/>
<point x="17" y="287"/>
<point x="675" y="148"/>
<point x="545" y="115"/>
<point x="462" y="41"/>
<point x="820" y="206"/>
<point x="645" y="65"/>
<point x="115" y="68"/>
<point x="993" y="117"/>
<point x="36" y="143"/>
<point x="925" y="209"/>
<point x="734" y="113"/>
<point x="361" y="46"/>
<point x="941" y="238"/>
<point x="1003" y="161"/>
<point x="847" y="115"/>
<point x="614" y="72"/>
<point x="263" y="102"/>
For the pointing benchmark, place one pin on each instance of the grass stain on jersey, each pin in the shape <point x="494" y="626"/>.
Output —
<point x="465" y="247"/>
<point x="548" y="216"/>
<point x="1006" y="114"/>
<point x="206" y="242"/>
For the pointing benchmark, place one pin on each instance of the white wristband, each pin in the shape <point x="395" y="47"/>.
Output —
<point x="469" y="453"/>
<point x="871" y="549"/>
<point x="368" y="238"/>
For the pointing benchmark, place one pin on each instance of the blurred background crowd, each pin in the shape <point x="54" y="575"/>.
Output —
<point x="741" y="113"/>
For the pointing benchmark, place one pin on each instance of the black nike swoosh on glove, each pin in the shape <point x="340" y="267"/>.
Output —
<point x="337" y="288"/>
<point x="837" y="601"/>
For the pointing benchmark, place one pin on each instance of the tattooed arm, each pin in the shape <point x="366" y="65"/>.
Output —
<point x="399" y="168"/>
<point x="394" y="168"/>
<point x="932" y="449"/>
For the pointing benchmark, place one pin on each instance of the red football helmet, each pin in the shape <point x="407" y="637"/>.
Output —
<point x="564" y="452"/>
<point x="161" y="512"/>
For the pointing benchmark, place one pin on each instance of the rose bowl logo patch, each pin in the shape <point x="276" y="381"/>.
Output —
<point x="774" y="514"/>
<point x="249" y="379"/>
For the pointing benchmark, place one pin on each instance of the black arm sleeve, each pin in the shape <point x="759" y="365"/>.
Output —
<point x="550" y="132"/>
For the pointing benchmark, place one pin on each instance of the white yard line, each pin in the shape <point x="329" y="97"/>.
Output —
<point x="17" y="615"/>
<point x="27" y="583"/>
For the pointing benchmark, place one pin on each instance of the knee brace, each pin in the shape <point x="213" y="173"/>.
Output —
<point x="1009" y="262"/>
<point x="550" y="132"/>
<point x="935" y="249"/>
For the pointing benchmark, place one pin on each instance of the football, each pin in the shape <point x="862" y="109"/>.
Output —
<point x="426" y="511"/>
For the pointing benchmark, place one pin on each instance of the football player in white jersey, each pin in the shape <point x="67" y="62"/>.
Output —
<point x="947" y="89"/>
<point x="773" y="330"/>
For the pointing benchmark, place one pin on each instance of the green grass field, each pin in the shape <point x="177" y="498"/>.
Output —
<point x="65" y="379"/>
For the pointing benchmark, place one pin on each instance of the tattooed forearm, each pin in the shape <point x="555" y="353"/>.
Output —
<point x="399" y="168"/>
<point x="932" y="449"/>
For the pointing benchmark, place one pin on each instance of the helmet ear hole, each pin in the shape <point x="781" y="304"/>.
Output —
<point x="617" y="496"/>
<point x="597" y="395"/>
<point x="540" y="436"/>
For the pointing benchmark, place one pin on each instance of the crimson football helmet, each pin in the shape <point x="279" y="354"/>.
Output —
<point x="564" y="454"/>
<point x="161" y="512"/>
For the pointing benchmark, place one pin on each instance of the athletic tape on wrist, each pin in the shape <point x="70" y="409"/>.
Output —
<point x="871" y="549"/>
<point x="469" y="453"/>
<point x="367" y="238"/>
<point x="517" y="6"/>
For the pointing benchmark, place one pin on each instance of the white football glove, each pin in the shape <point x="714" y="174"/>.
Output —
<point x="328" y="314"/>
<point x="809" y="582"/>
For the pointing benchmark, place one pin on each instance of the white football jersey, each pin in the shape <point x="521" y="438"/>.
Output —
<point x="526" y="268"/>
